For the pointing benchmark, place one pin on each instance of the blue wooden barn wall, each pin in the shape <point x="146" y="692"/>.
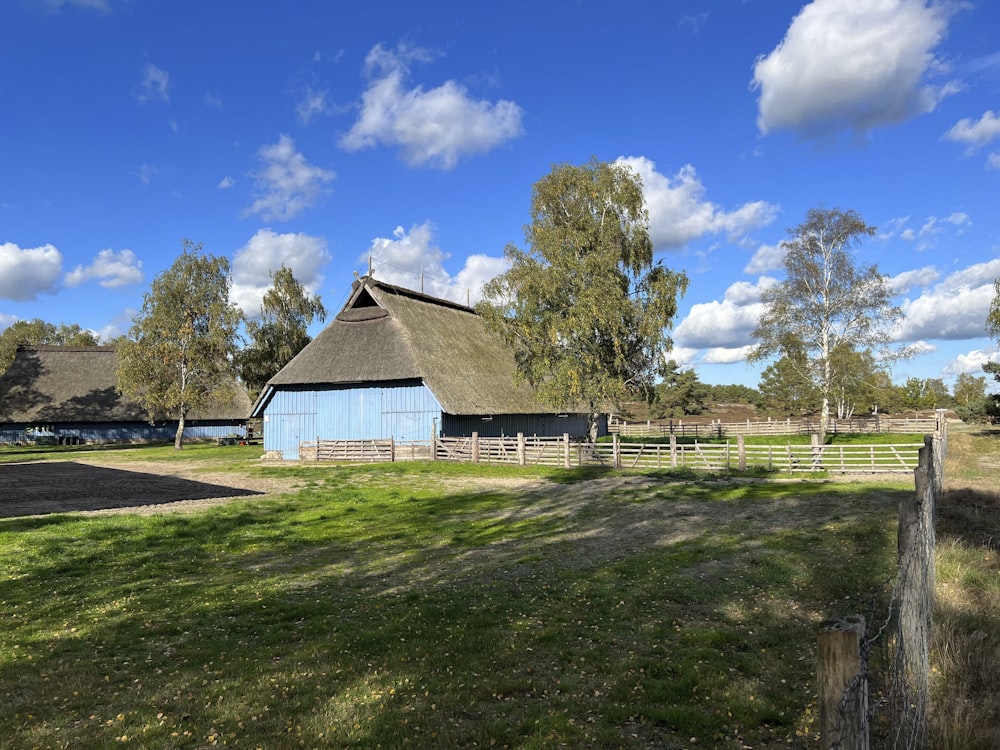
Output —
<point x="403" y="412"/>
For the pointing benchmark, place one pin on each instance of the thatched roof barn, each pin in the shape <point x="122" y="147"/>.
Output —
<point x="430" y="358"/>
<point x="71" y="392"/>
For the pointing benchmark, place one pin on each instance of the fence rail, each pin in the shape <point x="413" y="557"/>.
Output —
<point x="564" y="452"/>
<point x="789" y="426"/>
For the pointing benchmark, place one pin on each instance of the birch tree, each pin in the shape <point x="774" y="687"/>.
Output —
<point x="584" y="307"/>
<point x="286" y="312"/>
<point x="825" y="302"/>
<point x="178" y="356"/>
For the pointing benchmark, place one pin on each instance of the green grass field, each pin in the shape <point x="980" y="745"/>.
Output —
<point x="435" y="605"/>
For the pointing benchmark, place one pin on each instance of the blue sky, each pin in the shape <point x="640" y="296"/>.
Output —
<point x="317" y="134"/>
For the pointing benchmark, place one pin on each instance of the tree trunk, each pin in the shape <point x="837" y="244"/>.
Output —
<point x="179" y="436"/>
<point x="592" y="421"/>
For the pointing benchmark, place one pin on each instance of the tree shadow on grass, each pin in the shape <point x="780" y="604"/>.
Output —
<point x="68" y="487"/>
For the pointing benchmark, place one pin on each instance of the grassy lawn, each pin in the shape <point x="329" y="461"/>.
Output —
<point x="437" y="605"/>
<point x="445" y="605"/>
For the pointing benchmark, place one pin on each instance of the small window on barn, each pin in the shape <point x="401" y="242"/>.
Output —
<point x="365" y="299"/>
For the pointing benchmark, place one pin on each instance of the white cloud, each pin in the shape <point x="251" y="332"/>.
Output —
<point x="852" y="65"/>
<point x="104" y="6"/>
<point x="26" y="273"/>
<point x="212" y="100"/>
<point x="264" y="254"/>
<point x="993" y="160"/>
<point x="918" y="278"/>
<point x="314" y="103"/>
<point x="720" y="355"/>
<point x="971" y="362"/>
<point x="954" y="309"/>
<point x="146" y="173"/>
<point x="287" y="184"/>
<point x="925" y="237"/>
<point x="682" y="355"/>
<point x="113" y="269"/>
<point x="727" y="324"/>
<point x="975" y="134"/>
<point x="679" y="212"/>
<point x="436" y="127"/>
<point x="155" y="86"/>
<point x="412" y="260"/>
<point x="919" y="348"/>
<point x="766" y="258"/>
<point x="226" y="182"/>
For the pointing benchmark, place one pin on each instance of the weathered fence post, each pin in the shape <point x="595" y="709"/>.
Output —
<point x="741" y="450"/>
<point x="916" y="597"/>
<point x="565" y="450"/>
<point x="475" y="447"/>
<point x="522" y="457"/>
<point x="673" y="451"/>
<point x="616" y="452"/>
<point x="843" y="685"/>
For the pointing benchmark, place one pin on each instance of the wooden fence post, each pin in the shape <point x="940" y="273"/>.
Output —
<point x="741" y="449"/>
<point x="616" y="452"/>
<point x="475" y="447"/>
<point x="673" y="451"/>
<point x="565" y="450"/>
<point x="843" y="685"/>
<point x="522" y="458"/>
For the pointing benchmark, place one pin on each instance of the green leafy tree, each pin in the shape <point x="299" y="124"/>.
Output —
<point x="286" y="312"/>
<point x="679" y="393"/>
<point x="37" y="332"/>
<point x="971" y="401"/>
<point x="857" y="382"/>
<point x="786" y="387"/>
<point x="824" y="301"/>
<point x="993" y="327"/>
<point x="925" y="393"/>
<point x="178" y="357"/>
<point x="584" y="308"/>
<point x="735" y="394"/>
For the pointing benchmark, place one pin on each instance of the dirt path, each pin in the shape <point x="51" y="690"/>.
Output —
<point x="92" y="485"/>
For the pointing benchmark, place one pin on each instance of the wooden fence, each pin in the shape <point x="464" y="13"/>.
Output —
<point x="789" y="426"/>
<point x="846" y="716"/>
<point x="565" y="452"/>
<point x="365" y="451"/>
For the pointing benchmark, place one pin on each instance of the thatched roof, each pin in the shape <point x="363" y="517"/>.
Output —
<point x="387" y="333"/>
<point x="48" y="384"/>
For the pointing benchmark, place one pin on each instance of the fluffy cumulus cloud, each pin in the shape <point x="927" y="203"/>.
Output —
<point x="411" y="259"/>
<point x="111" y="269"/>
<point x="723" y="325"/>
<point x="953" y="309"/>
<point x="918" y="278"/>
<point x="287" y="184"/>
<point x="679" y="211"/>
<point x="766" y="258"/>
<point x="27" y="272"/>
<point x="264" y="254"/>
<point x="972" y="363"/>
<point x="975" y="133"/>
<point x="852" y="65"/>
<point x="434" y="127"/>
